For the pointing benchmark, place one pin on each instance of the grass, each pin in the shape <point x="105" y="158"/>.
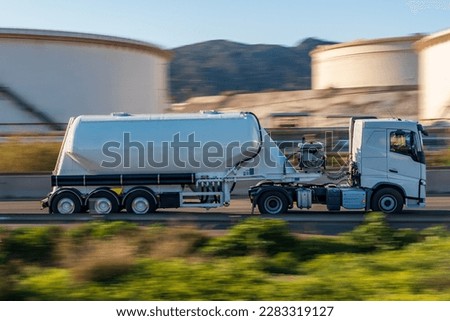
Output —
<point x="24" y="157"/>
<point x="257" y="259"/>
<point x="441" y="158"/>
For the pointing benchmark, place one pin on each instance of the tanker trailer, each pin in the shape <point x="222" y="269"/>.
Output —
<point x="142" y="162"/>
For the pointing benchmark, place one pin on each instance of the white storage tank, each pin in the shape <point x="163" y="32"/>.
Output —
<point x="434" y="76"/>
<point x="50" y="76"/>
<point x="365" y="63"/>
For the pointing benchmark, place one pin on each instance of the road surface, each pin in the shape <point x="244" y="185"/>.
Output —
<point x="316" y="221"/>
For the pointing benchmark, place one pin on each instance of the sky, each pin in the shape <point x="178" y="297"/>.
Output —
<point x="173" y="23"/>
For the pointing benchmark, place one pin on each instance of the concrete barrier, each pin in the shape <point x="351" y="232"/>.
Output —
<point x="37" y="186"/>
<point x="26" y="187"/>
<point x="438" y="181"/>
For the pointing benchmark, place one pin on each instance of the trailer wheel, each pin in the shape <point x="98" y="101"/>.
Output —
<point x="272" y="202"/>
<point x="141" y="202"/>
<point x="387" y="200"/>
<point x="103" y="202"/>
<point x="65" y="203"/>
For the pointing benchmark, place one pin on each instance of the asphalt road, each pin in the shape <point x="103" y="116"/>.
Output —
<point x="240" y="206"/>
<point x="313" y="221"/>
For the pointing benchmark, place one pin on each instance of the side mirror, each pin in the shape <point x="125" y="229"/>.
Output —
<point x="422" y="130"/>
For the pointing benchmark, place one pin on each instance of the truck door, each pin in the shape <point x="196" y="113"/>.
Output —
<point x="405" y="167"/>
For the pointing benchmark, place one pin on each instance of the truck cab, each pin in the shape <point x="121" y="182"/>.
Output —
<point x="387" y="158"/>
<point x="386" y="172"/>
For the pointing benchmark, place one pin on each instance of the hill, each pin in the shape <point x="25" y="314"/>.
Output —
<point x="217" y="66"/>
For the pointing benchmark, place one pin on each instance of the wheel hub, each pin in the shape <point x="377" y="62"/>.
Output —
<point x="140" y="205"/>
<point x="102" y="205"/>
<point x="273" y="204"/>
<point x="66" y="206"/>
<point x="388" y="203"/>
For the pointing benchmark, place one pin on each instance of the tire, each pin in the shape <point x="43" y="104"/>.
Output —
<point x="140" y="202"/>
<point x="387" y="200"/>
<point x="65" y="203"/>
<point x="272" y="202"/>
<point x="103" y="202"/>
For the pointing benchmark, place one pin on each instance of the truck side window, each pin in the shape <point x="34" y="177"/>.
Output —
<point x="402" y="142"/>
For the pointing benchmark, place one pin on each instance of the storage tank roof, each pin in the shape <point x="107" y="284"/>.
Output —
<point x="433" y="39"/>
<point x="363" y="42"/>
<point x="82" y="38"/>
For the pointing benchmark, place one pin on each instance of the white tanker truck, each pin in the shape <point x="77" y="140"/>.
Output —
<point x="143" y="162"/>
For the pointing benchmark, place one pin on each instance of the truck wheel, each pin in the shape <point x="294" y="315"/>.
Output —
<point x="65" y="203"/>
<point x="387" y="200"/>
<point x="272" y="202"/>
<point x="103" y="202"/>
<point x="141" y="202"/>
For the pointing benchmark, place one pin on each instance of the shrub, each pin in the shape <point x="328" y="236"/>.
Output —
<point x="375" y="234"/>
<point x="254" y="236"/>
<point x="403" y="237"/>
<point x="312" y="246"/>
<point x="102" y="230"/>
<point x="237" y="278"/>
<point x="435" y="232"/>
<point x="166" y="243"/>
<point x="33" y="245"/>
<point x="45" y="284"/>
<point x="281" y="263"/>
<point x="8" y="281"/>
<point x="104" y="261"/>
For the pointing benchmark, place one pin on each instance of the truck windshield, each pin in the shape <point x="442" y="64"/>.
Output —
<point x="420" y="153"/>
<point x="419" y="142"/>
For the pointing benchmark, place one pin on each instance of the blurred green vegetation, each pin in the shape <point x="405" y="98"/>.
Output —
<point x="438" y="158"/>
<point x="25" y="157"/>
<point x="257" y="259"/>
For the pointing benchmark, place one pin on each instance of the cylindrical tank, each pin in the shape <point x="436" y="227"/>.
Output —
<point x="434" y="76"/>
<point x="365" y="63"/>
<point x="58" y="75"/>
<point x="157" y="144"/>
